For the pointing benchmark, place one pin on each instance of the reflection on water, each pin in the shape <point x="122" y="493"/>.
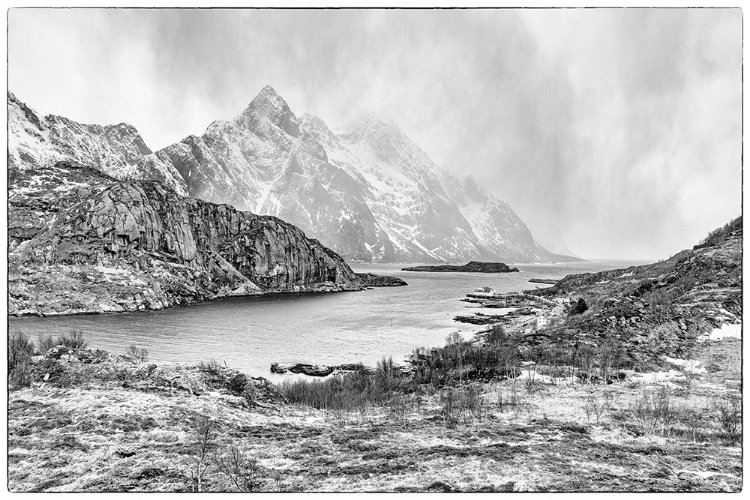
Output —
<point x="250" y="333"/>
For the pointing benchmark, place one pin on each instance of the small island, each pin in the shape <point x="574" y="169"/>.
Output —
<point x="374" y="280"/>
<point x="471" y="267"/>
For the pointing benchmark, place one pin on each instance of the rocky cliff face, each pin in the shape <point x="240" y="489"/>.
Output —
<point x="121" y="246"/>
<point x="117" y="150"/>
<point x="366" y="190"/>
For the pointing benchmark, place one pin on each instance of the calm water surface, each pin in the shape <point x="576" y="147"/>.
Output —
<point x="250" y="333"/>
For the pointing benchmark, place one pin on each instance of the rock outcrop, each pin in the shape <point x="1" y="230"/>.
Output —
<point x="123" y="246"/>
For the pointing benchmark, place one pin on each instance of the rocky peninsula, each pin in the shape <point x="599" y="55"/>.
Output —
<point x="84" y="242"/>
<point x="471" y="267"/>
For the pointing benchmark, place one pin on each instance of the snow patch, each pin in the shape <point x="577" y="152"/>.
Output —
<point x="726" y="330"/>
<point x="690" y="365"/>
<point x="110" y="270"/>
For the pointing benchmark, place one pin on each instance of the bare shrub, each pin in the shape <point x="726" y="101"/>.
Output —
<point x="20" y="348"/>
<point x="204" y="443"/>
<point x="653" y="410"/>
<point x="585" y="357"/>
<point x="348" y="391"/>
<point x="453" y="338"/>
<point x="729" y="413"/>
<point x="243" y="470"/>
<point x="20" y="375"/>
<point x="693" y="420"/>
<point x="594" y="407"/>
<point x="73" y="340"/>
<point x="462" y="404"/>
<point x="496" y="336"/>
<point x="212" y="368"/>
<point x="137" y="354"/>
<point x="46" y="342"/>
<point x="386" y="374"/>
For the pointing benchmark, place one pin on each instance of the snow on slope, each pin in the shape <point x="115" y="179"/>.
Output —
<point x="117" y="150"/>
<point x="365" y="190"/>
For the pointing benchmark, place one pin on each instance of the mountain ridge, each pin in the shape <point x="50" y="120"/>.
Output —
<point x="364" y="189"/>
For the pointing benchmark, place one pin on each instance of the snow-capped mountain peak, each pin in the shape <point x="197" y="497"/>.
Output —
<point x="365" y="189"/>
<point x="270" y="106"/>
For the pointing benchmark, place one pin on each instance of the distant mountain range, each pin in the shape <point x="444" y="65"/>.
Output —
<point x="550" y="237"/>
<point x="365" y="190"/>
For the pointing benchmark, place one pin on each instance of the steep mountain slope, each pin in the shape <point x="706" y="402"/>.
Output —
<point x="494" y="223"/>
<point x="366" y="190"/>
<point x="116" y="150"/>
<point x="550" y="237"/>
<point x="122" y="246"/>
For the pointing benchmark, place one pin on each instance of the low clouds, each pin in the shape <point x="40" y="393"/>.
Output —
<point x="621" y="126"/>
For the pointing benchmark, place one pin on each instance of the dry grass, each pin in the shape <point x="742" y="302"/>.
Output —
<point x="513" y="435"/>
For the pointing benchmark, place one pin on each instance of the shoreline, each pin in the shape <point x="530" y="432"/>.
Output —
<point x="365" y="281"/>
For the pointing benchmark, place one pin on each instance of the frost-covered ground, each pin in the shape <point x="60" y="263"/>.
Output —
<point x="128" y="428"/>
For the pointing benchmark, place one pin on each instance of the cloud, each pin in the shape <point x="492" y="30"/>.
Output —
<point x="621" y="126"/>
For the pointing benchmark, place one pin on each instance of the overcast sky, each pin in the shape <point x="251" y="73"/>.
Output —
<point x="620" y="126"/>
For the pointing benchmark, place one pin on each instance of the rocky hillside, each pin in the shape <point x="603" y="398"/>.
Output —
<point x="36" y="141"/>
<point x="366" y="190"/>
<point x="657" y="309"/>
<point x="710" y="271"/>
<point x="121" y="246"/>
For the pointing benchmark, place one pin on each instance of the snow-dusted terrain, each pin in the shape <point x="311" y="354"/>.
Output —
<point x="117" y="150"/>
<point x="365" y="190"/>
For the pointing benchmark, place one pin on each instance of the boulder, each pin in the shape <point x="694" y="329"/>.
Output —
<point x="311" y="370"/>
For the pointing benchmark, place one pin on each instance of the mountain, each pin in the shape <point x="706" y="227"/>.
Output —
<point x="128" y="245"/>
<point x="549" y="236"/>
<point x="117" y="150"/>
<point x="364" y="189"/>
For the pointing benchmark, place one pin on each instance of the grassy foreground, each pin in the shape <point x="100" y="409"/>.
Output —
<point x="85" y="420"/>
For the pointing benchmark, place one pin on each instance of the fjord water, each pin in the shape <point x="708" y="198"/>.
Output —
<point x="249" y="333"/>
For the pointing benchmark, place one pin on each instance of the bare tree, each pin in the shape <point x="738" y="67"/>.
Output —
<point x="243" y="470"/>
<point x="206" y="433"/>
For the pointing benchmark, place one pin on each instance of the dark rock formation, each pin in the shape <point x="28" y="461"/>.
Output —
<point x="303" y="368"/>
<point x="471" y="267"/>
<point x="324" y="370"/>
<point x="369" y="279"/>
<point x="35" y="197"/>
<point x="139" y="245"/>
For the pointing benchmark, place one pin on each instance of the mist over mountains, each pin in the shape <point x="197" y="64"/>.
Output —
<point x="364" y="189"/>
